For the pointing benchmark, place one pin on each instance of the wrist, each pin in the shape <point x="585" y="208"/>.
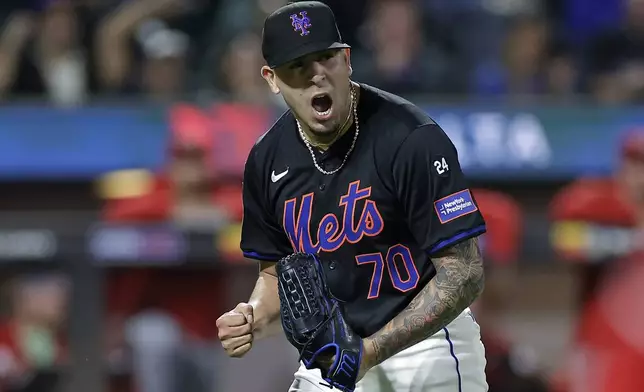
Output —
<point x="263" y="321"/>
<point x="369" y="357"/>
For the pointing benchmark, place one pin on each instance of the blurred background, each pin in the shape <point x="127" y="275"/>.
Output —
<point x="125" y="125"/>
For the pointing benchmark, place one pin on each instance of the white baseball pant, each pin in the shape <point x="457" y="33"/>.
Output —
<point x="452" y="360"/>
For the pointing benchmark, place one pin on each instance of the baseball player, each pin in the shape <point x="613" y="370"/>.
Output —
<point x="370" y="182"/>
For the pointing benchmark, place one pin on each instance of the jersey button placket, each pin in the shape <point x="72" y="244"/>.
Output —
<point x="322" y="185"/>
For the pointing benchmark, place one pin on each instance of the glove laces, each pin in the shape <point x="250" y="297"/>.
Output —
<point x="315" y="334"/>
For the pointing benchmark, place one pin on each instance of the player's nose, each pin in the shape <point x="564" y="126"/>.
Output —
<point x="318" y="72"/>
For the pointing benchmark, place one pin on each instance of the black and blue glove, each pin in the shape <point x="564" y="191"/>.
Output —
<point x="313" y="322"/>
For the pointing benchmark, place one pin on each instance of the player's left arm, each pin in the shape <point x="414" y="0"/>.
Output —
<point x="458" y="282"/>
<point x="444" y="218"/>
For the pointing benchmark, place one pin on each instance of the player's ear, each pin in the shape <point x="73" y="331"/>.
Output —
<point x="347" y="58"/>
<point x="269" y="75"/>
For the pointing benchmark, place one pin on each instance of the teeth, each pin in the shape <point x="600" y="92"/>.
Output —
<point x="323" y="113"/>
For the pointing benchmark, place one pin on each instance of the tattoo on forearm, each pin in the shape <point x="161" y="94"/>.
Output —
<point x="459" y="280"/>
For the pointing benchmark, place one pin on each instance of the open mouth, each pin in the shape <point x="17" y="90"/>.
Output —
<point x="322" y="105"/>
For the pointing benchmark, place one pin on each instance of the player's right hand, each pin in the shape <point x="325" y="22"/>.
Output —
<point x="236" y="330"/>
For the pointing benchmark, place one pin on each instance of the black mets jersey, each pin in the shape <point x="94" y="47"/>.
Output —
<point x="400" y="198"/>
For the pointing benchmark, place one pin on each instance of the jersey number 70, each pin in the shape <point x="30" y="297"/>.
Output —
<point x="398" y="280"/>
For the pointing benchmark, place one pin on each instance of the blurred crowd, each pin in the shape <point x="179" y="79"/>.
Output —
<point x="74" y="50"/>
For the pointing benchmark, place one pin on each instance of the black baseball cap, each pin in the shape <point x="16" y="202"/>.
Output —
<point x="298" y="29"/>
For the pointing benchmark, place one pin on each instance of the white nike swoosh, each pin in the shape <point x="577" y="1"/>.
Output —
<point x="277" y="177"/>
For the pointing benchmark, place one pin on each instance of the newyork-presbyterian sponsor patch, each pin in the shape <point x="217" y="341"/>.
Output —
<point x="455" y="206"/>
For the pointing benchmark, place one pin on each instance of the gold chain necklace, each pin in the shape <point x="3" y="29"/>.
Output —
<point x="354" y="108"/>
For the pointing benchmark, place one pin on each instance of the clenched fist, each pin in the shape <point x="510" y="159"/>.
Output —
<point x="236" y="330"/>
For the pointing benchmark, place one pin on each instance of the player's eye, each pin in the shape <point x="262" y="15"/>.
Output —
<point x="296" y="65"/>
<point x="328" y="56"/>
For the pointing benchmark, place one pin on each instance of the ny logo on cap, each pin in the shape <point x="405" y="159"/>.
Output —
<point x="301" y="24"/>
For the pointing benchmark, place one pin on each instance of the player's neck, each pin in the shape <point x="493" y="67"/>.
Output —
<point x="323" y="142"/>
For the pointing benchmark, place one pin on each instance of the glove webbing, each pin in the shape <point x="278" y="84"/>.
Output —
<point x="317" y="331"/>
<point x="315" y="334"/>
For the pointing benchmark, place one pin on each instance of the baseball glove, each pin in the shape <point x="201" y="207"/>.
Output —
<point x="312" y="321"/>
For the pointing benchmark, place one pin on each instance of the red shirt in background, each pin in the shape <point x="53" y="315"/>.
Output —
<point x="195" y="297"/>
<point x="608" y="352"/>
<point x="608" y="349"/>
<point x="226" y="133"/>
<point x="156" y="206"/>
<point x="593" y="200"/>
<point x="504" y="221"/>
